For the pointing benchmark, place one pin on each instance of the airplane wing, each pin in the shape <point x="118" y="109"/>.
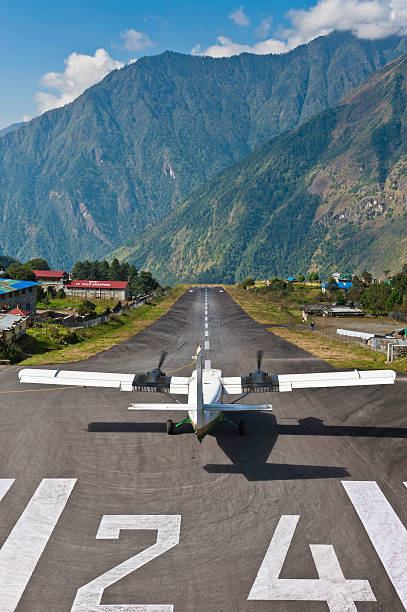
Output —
<point x="262" y="383"/>
<point x="123" y="382"/>
<point x="288" y="382"/>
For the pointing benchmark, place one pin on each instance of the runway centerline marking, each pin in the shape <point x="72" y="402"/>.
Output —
<point x="26" y="543"/>
<point x="206" y="334"/>
<point x="385" y="530"/>
<point x="206" y="326"/>
<point x="207" y="344"/>
<point x="208" y="364"/>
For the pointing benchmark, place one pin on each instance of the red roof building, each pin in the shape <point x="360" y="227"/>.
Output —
<point x="98" y="289"/>
<point x="19" y="311"/>
<point x="51" y="277"/>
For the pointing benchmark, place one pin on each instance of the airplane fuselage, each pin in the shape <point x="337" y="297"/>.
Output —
<point x="212" y="392"/>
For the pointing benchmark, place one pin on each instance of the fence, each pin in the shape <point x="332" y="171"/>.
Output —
<point x="330" y="332"/>
<point x="103" y="318"/>
<point x="393" y="347"/>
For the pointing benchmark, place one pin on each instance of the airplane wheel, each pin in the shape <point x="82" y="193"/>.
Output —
<point x="241" y="428"/>
<point x="170" y="427"/>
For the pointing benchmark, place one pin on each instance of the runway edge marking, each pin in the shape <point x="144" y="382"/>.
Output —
<point x="385" y="530"/>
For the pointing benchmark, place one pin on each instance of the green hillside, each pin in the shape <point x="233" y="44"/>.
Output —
<point x="331" y="193"/>
<point x="80" y="180"/>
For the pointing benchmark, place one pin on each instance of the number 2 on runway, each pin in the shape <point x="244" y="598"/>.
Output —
<point x="89" y="596"/>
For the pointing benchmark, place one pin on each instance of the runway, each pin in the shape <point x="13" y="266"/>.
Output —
<point x="101" y="510"/>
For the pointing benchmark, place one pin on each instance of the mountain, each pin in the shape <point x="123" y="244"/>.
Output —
<point x="10" y="128"/>
<point x="330" y="194"/>
<point x="80" y="180"/>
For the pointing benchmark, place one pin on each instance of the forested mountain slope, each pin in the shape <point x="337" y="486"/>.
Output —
<point x="331" y="194"/>
<point x="80" y="180"/>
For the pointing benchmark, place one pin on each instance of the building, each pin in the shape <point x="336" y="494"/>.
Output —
<point x="18" y="294"/>
<point x="340" y="285"/>
<point x="12" y="327"/>
<point x="117" y="290"/>
<point x="55" y="278"/>
<point x="342" y="311"/>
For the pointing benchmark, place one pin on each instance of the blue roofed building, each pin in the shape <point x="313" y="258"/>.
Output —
<point x="18" y="294"/>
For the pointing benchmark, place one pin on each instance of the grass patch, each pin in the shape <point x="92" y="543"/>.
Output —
<point x="99" y="338"/>
<point x="74" y="303"/>
<point x="338" y="354"/>
<point x="269" y="307"/>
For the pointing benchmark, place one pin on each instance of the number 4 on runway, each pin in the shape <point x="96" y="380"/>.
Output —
<point x="386" y="532"/>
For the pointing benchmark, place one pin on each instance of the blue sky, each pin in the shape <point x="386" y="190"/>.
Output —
<point x="37" y="39"/>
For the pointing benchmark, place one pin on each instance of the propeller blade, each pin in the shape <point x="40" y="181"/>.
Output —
<point x="162" y="359"/>
<point x="259" y="359"/>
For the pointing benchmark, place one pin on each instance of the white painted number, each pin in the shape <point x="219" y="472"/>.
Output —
<point x="331" y="586"/>
<point x="89" y="596"/>
<point x="24" y="546"/>
<point x="385" y="530"/>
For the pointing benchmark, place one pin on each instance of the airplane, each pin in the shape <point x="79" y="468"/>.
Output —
<point x="205" y="388"/>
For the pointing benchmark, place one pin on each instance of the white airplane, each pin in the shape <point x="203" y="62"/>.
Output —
<point x="205" y="388"/>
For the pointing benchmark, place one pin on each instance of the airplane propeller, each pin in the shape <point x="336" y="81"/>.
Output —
<point x="155" y="379"/>
<point x="258" y="380"/>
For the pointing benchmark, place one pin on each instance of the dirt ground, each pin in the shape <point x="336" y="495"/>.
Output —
<point x="373" y="325"/>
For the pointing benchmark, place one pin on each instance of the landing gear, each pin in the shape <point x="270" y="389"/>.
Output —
<point x="241" y="428"/>
<point x="170" y="427"/>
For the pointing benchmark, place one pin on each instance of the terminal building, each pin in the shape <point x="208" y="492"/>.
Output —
<point x="116" y="290"/>
<point x="18" y="294"/>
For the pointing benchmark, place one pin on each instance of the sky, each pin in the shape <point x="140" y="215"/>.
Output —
<point x="50" y="52"/>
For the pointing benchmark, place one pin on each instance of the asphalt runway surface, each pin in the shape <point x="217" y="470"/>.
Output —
<point x="306" y="512"/>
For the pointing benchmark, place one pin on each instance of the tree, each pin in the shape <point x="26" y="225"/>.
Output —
<point x="37" y="264"/>
<point x="301" y="278"/>
<point x="375" y="298"/>
<point x="386" y="273"/>
<point x="115" y="270"/>
<point x="86" y="307"/>
<point x="395" y="299"/>
<point x="20" y="272"/>
<point x="332" y="286"/>
<point x="60" y="294"/>
<point x="146" y="282"/>
<point x="366" y="277"/>
<point x="247" y="282"/>
<point x="78" y="271"/>
<point x="340" y="299"/>
<point x="313" y="277"/>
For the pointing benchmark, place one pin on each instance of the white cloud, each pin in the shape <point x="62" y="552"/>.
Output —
<point x="225" y="47"/>
<point x="81" y="71"/>
<point x="26" y="118"/>
<point x="264" y="28"/>
<point x="135" y="41"/>
<point x="239" y="17"/>
<point x="368" y="19"/>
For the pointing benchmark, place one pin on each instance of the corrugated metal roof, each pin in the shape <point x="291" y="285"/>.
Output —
<point x="96" y="284"/>
<point x="7" y="285"/>
<point x="8" y="320"/>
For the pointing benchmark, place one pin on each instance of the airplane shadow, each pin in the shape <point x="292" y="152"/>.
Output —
<point x="249" y="455"/>
<point x="100" y="427"/>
